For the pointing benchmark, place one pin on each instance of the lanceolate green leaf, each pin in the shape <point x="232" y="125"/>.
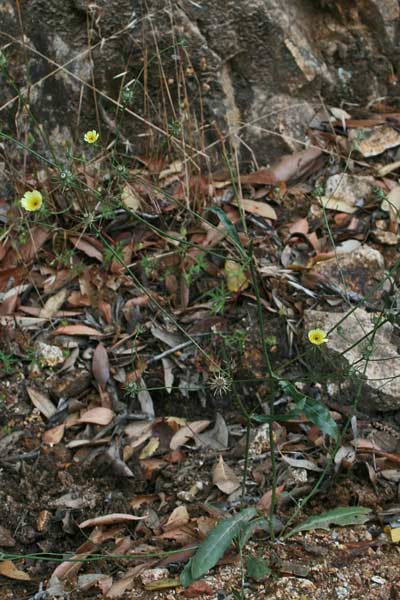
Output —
<point x="347" y="515"/>
<point x="249" y="528"/>
<point x="314" y="410"/>
<point x="229" y="226"/>
<point x="215" y="545"/>
<point x="318" y="414"/>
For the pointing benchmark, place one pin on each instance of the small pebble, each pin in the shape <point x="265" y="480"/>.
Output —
<point x="378" y="580"/>
<point x="341" y="592"/>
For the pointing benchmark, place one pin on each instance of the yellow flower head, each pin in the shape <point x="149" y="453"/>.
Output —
<point x="317" y="336"/>
<point x="32" y="201"/>
<point x="91" y="136"/>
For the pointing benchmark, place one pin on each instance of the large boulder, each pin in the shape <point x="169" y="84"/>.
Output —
<point x="254" y="69"/>
<point x="364" y="352"/>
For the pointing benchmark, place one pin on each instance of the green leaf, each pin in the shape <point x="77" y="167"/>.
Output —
<point x="259" y="524"/>
<point x="249" y="528"/>
<point x="314" y="410"/>
<point x="257" y="568"/>
<point x="214" y="546"/>
<point x="342" y="516"/>
<point x="318" y="414"/>
<point x="229" y="226"/>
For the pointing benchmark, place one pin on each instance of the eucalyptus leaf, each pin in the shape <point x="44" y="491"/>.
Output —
<point x="342" y="516"/>
<point x="215" y="545"/>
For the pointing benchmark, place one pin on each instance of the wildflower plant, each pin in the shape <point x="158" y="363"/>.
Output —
<point x="32" y="201"/>
<point x="317" y="337"/>
<point x="91" y="137"/>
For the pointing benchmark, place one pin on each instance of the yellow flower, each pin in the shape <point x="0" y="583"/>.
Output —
<point x="317" y="337"/>
<point x="32" y="201"/>
<point x="91" y="136"/>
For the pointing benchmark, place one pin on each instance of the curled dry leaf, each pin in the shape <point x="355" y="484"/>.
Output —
<point x="87" y="248"/>
<point x="111" y="520"/>
<point x="258" y="208"/>
<point x="101" y="365"/>
<point x="187" y="432"/>
<point x="177" y="518"/>
<point x="41" y="402"/>
<point x="36" y="240"/>
<point x="260" y="177"/>
<point x="54" y="435"/>
<point x="236" y="279"/>
<point x="72" y="565"/>
<point x="173" y="169"/>
<point x="392" y="202"/>
<point x="145" y="400"/>
<point x="296" y="164"/>
<point x="53" y="304"/>
<point x="168" y="366"/>
<point x="264" y="503"/>
<point x="99" y="416"/>
<point x="150" y="466"/>
<point x="218" y="437"/>
<point x="224" y="477"/>
<point x="130" y="197"/>
<point x="77" y="330"/>
<point x="301" y="463"/>
<point x="9" y="305"/>
<point x="150" y="448"/>
<point x="8" y="569"/>
<point x="345" y="456"/>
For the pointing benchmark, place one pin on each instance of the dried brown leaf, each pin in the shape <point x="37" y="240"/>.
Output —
<point x="150" y="448"/>
<point x="54" y="435"/>
<point x="301" y="463"/>
<point x="42" y="402"/>
<point x="99" y="416"/>
<point x="87" y="248"/>
<point x="130" y="197"/>
<point x="10" y="305"/>
<point x="187" y="432"/>
<point x="264" y="502"/>
<point x="111" y="520"/>
<point x="36" y="240"/>
<point x="8" y="569"/>
<point x="260" y="177"/>
<point x="77" y="330"/>
<point x="177" y="518"/>
<point x="101" y="365"/>
<point x="53" y="304"/>
<point x="224" y="477"/>
<point x="295" y="164"/>
<point x="261" y="209"/>
<point x="151" y="466"/>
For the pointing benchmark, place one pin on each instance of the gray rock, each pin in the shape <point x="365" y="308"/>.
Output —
<point x="251" y="68"/>
<point x="346" y="192"/>
<point x="349" y="345"/>
<point x="359" y="272"/>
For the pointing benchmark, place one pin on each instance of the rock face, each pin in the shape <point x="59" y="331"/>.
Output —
<point x="253" y="69"/>
<point x="359" y="272"/>
<point x="381" y="372"/>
